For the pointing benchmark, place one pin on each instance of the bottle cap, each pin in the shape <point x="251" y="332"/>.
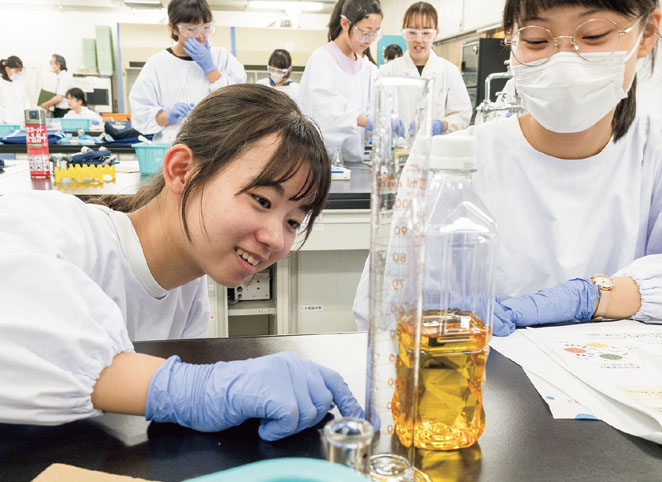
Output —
<point x="453" y="153"/>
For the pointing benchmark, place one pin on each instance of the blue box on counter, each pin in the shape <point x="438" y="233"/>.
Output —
<point x="8" y="128"/>
<point x="150" y="155"/>
<point x="70" y="125"/>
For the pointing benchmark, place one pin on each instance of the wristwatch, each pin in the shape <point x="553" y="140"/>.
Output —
<point x="605" y="284"/>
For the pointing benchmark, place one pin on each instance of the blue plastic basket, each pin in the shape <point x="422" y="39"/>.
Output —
<point x="150" y="156"/>
<point x="7" y="128"/>
<point x="72" y="125"/>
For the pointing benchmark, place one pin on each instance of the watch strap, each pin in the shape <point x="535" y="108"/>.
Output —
<point x="602" y="303"/>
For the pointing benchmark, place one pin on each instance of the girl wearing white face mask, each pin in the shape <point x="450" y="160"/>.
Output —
<point x="280" y="69"/>
<point x="13" y="100"/>
<point x="575" y="185"/>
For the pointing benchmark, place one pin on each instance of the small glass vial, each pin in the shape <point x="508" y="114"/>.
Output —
<point x="348" y="442"/>
<point x="390" y="468"/>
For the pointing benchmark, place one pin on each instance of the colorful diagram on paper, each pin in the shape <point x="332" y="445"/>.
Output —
<point x="618" y="357"/>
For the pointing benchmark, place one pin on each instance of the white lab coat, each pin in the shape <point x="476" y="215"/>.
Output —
<point x="75" y="290"/>
<point x="167" y="79"/>
<point x="13" y="102"/>
<point x="450" y="100"/>
<point x="65" y="81"/>
<point x="85" y="113"/>
<point x="290" y="87"/>
<point x="559" y="219"/>
<point x="334" y="98"/>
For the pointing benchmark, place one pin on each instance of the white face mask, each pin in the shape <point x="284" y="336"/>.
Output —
<point x="569" y="93"/>
<point x="15" y="76"/>
<point x="276" y="76"/>
<point x="51" y="67"/>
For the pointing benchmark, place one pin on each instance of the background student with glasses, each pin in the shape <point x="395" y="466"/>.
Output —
<point x="176" y="79"/>
<point x="451" y="105"/>
<point x="337" y="84"/>
<point x="575" y="184"/>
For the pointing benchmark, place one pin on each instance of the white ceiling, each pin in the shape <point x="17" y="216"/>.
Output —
<point x="236" y="5"/>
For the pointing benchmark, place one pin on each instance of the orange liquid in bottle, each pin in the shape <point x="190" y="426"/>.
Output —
<point x="448" y="412"/>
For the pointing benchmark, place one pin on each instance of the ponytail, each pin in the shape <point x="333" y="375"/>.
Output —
<point x="13" y="62"/>
<point x="625" y="113"/>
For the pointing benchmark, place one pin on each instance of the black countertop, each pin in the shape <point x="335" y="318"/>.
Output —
<point x="521" y="442"/>
<point x="64" y="148"/>
<point x="345" y="194"/>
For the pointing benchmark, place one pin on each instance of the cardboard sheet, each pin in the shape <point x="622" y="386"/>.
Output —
<point x="69" y="473"/>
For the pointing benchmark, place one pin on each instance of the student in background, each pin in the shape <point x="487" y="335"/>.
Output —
<point x="65" y="81"/>
<point x="177" y="78"/>
<point x="280" y="69"/>
<point x="246" y="171"/>
<point x="337" y="84"/>
<point x="392" y="52"/>
<point x="451" y="106"/>
<point x="78" y="105"/>
<point x="13" y="100"/>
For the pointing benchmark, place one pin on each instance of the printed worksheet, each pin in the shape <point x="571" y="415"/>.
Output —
<point x="583" y="390"/>
<point x="622" y="360"/>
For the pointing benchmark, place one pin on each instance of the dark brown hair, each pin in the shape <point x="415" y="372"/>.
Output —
<point x="187" y="11"/>
<point x="76" y="93"/>
<point x="229" y="122"/>
<point x="391" y="52"/>
<point x="516" y="12"/>
<point x="354" y="11"/>
<point x="12" y="62"/>
<point x="424" y="9"/>
<point x="280" y="59"/>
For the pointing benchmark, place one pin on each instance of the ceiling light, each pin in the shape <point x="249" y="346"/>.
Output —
<point x="285" y="5"/>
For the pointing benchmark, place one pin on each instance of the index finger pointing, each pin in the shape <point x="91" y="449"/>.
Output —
<point x="342" y="395"/>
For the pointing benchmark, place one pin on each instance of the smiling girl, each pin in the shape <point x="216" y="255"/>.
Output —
<point x="226" y="204"/>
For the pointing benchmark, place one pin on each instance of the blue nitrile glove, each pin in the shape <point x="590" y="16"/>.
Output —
<point x="178" y="111"/>
<point x="572" y="300"/>
<point x="437" y="127"/>
<point x="287" y="392"/>
<point x="369" y="126"/>
<point x="398" y="127"/>
<point x="200" y="53"/>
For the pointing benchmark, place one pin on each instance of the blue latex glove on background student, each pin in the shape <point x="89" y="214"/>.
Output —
<point x="397" y="126"/>
<point x="438" y="127"/>
<point x="572" y="300"/>
<point x="286" y="392"/>
<point x="201" y="54"/>
<point x="179" y="111"/>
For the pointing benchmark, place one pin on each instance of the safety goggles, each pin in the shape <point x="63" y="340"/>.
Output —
<point x="190" y="30"/>
<point x="364" y="35"/>
<point x="535" y="45"/>
<point x="424" y="34"/>
<point x="276" y="70"/>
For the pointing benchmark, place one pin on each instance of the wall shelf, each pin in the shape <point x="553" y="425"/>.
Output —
<point x="252" y="307"/>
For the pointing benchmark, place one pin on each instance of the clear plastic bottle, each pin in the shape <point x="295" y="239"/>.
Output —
<point x="458" y="294"/>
